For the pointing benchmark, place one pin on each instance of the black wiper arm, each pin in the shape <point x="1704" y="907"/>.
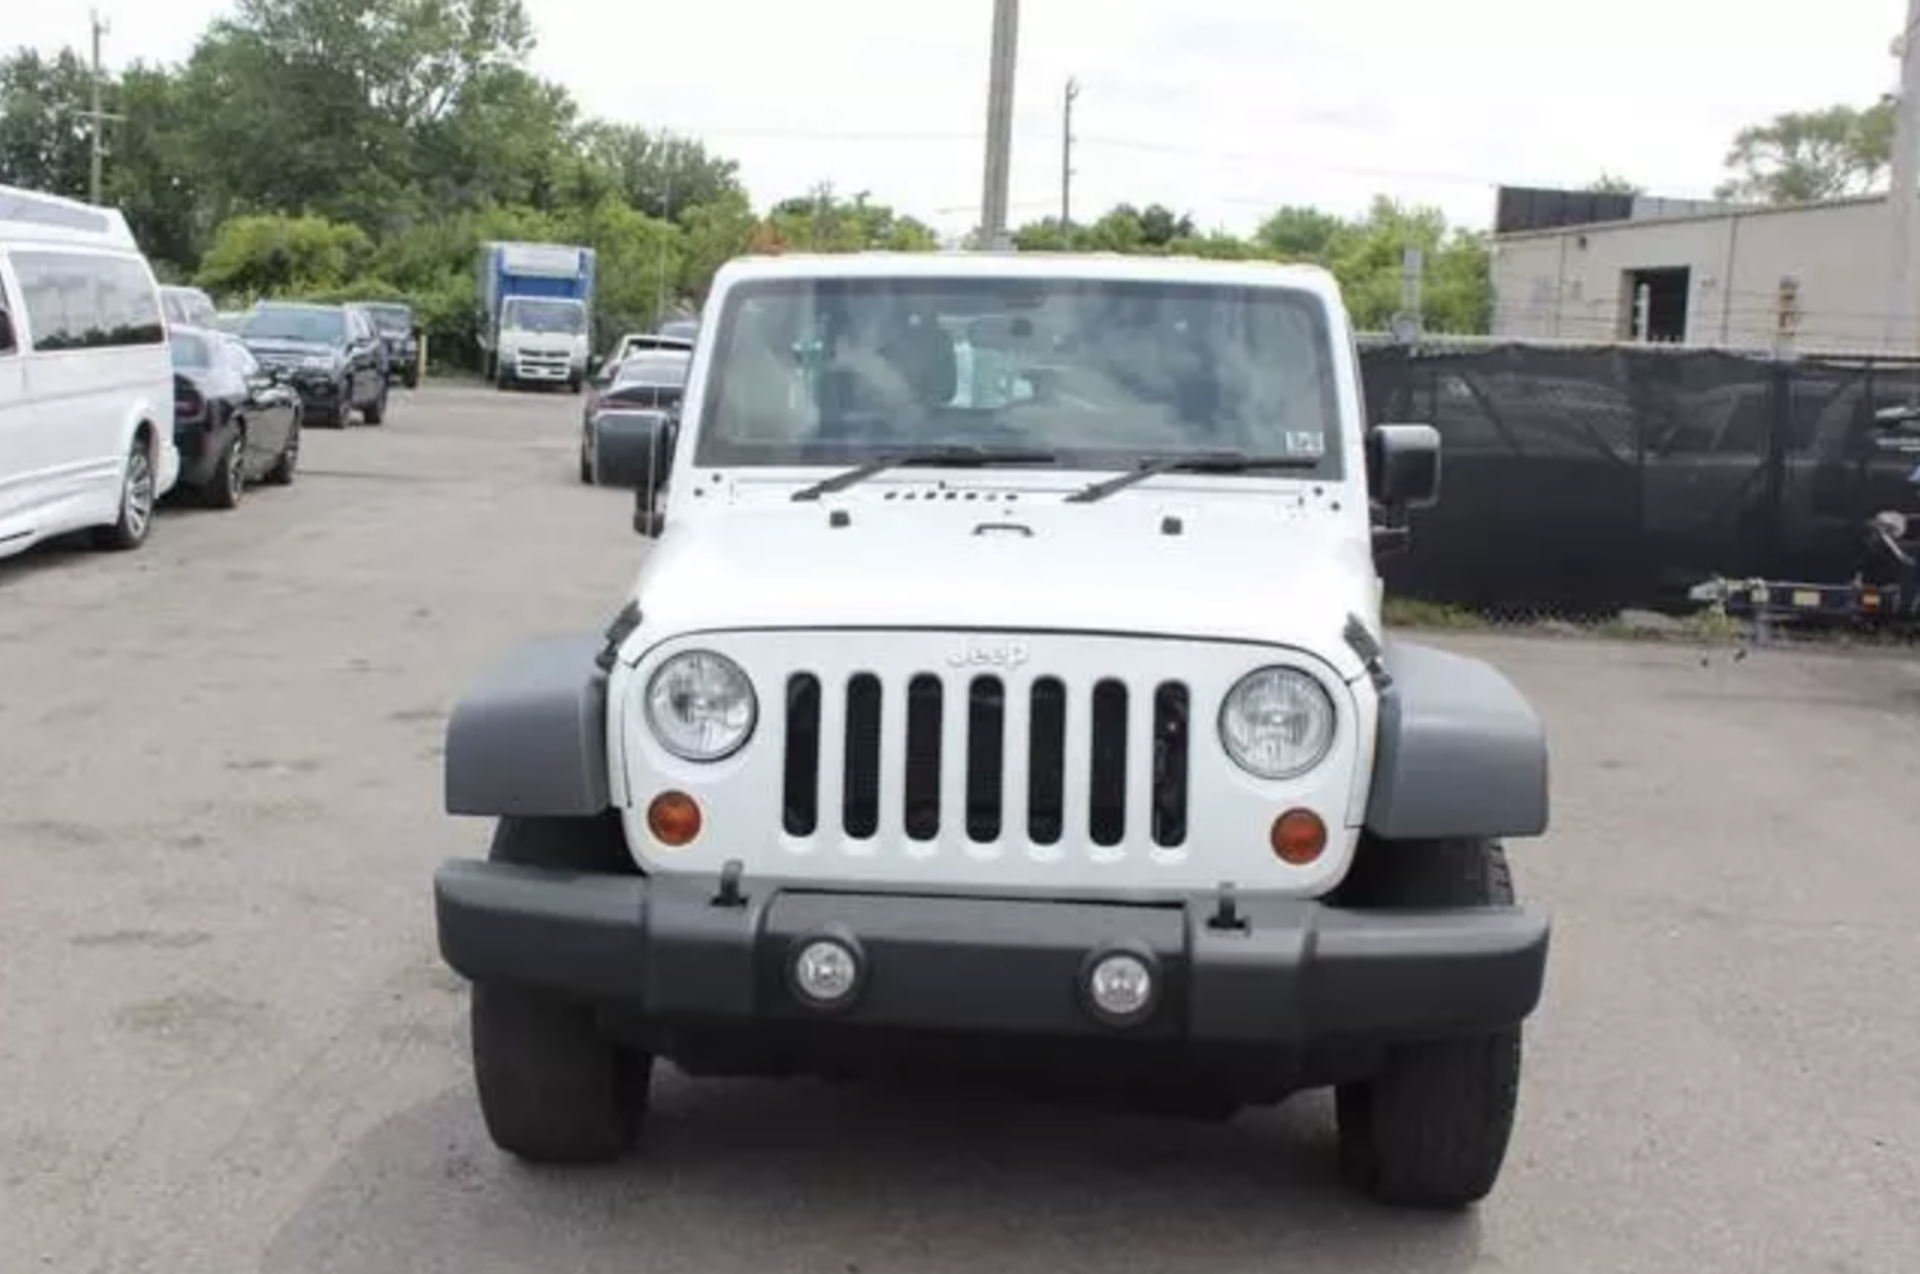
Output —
<point x="930" y="457"/>
<point x="1193" y="462"/>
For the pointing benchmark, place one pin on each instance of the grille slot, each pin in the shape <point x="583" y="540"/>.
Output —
<point x="860" y="777"/>
<point x="926" y="703"/>
<point x="985" y="758"/>
<point x="800" y="801"/>
<point x="1047" y="761"/>
<point x="1107" y="773"/>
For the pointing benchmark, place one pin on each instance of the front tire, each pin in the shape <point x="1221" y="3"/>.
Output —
<point x="1431" y="1129"/>
<point x="281" y="475"/>
<point x="553" y="1087"/>
<point x="376" y="412"/>
<point x="229" y="481"/>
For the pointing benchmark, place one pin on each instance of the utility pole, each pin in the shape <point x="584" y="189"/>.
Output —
<point x="97" y="117"/>
<point x="660" y="296"/>
<point x="1903" y="323"/>
<point x="1066" y="155"/>
<point x="993" y="197"/>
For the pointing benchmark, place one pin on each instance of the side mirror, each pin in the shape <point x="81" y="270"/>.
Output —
<point x="595" y="362"/>
<point x="1403" y="466"/>
<point x="634" y="450"/>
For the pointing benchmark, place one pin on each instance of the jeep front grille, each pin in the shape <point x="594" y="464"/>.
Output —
<point x="1018" y="757"/>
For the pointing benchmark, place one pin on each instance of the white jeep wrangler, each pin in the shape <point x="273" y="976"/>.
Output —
<point x="1007" y="684"/>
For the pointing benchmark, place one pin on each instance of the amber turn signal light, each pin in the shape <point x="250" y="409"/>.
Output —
<point x="674" y="819"/>
<point x="1297" y="837"/>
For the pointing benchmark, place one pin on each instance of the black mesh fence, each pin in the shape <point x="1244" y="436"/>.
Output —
<point x="1583" y="480"/>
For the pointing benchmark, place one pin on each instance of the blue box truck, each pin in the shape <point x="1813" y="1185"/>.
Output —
<point x="536" y="313"/>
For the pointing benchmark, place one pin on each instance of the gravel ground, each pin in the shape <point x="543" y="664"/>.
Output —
<point x="227" y="1042"/>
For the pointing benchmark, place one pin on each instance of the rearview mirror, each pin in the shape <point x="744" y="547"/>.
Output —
<point x="1403" y="466"/>
<point x="634" y="450"/>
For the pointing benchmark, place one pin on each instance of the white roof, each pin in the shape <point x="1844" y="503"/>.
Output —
<point x="1031" y="265"/>
<point x="29" y="215"/>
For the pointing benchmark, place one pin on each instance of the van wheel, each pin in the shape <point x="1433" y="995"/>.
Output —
<point x="137" y="487"/>
<point x="229" y="480"/>
<point x="376" y="411"/>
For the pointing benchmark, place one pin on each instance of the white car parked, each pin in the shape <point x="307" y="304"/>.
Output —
<point x="1047" y="718"/>
<point x="86" y="378"/>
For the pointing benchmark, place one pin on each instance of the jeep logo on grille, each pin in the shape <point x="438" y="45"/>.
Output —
<point x="1000" y="654"/>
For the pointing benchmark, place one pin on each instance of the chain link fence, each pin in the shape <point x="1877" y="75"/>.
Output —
<point x="1595" y="485"/>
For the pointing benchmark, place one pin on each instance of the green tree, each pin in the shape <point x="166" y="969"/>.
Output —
<point x="275" y="256"/>
<point x="1613" y="184"/>
<point x="715" y="232"/>
<point x="44" y="139"/>
<point x="1806" y="156"/>
<point x="656" y="172"/>
<point x="824" y="222"/>
<point x="1299" y="234"/>
<point x="153" y="174"/>
<point x="372" y="111"/>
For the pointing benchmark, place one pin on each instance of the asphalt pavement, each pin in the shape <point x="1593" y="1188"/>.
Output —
<point x="227" y="1042"/>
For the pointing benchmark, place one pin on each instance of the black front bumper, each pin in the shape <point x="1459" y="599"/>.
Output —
<point x="321" y="395"/>
<point x="1294" y="973"/>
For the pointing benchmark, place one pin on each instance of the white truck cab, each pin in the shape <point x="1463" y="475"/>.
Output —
<point x="1007" y="675"/>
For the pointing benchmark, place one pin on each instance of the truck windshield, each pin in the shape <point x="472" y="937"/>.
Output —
<point x="536" y="314"/>
<point x="1098" y="373"/>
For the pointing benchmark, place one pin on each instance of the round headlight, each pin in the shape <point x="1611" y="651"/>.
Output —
<point x="700" y="706"/>
<point x="1276" y="723"/>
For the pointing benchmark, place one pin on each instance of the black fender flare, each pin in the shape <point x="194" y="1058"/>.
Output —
<point x="1459" y="751"/>
<point x="530" y="738"/>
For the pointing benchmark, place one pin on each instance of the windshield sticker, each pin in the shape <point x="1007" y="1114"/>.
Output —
<point x="1305" y="442"/>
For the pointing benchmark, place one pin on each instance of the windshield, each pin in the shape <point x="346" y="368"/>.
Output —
<point x="312" y="326"/>
<point x="395" y="320"/>
<point x="828" y="371"/>
<point x="652" y="369"/>
<point x="190" y="349"/>
<point x="533" y="314"/>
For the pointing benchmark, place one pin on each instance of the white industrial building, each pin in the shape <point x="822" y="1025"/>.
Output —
<point x="1700" y="274"/>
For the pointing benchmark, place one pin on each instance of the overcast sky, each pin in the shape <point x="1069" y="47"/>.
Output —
<point x="1225" y="108"/>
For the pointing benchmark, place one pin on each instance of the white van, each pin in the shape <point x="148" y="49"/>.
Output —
<point x="86" y="381"/>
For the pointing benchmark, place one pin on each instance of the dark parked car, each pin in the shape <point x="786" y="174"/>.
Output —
<point x="234" y="422"/>
<point x="396" y="325"/>
<point x="651" y="380"/>
<point x="332" y="353"/>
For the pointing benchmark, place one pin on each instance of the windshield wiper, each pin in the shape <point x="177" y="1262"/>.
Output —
<point x="1192" y="462"/>
<point x="929" y="457"/>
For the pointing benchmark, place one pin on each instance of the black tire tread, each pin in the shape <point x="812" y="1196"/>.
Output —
<point x="288" y="462"/>
<point x="1432" y="1128"/>
<point x="553" y="1087"/>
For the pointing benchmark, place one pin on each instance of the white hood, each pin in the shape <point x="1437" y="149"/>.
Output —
<point x="1268" y="569"/>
